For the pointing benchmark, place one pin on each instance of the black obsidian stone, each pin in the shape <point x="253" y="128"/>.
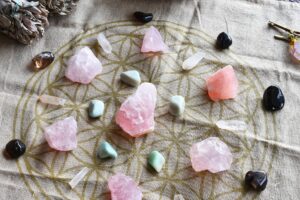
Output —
<point x="143" y="17"/>
<point x="224" y="41"/>
<point x="256" y="180"/>
<point x="15" y="148"/>
<point x="273" y="99"/>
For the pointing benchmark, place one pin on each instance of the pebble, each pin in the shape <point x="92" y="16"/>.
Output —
<point x="131" y="77"/>
<point x="43" y="60"/>
<point x="143" y="17"/>
<point x="156" y="160"/>
<point x="96" y="108"/>
<point x="105" y="150"/>
<point x="273" y="99"/>
<point x="15" y="148"/>
<point x="177" y="105"/>
<point x="224" y="41"/>
<point x="256" y="179"/>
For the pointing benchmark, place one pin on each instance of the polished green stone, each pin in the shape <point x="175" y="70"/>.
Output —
<point x="177" y="105"/>
<point x="131" y="77"/>
<point x="105" y="150"/>
<point x="156" y="160"/>
<point x="96" y="108"/>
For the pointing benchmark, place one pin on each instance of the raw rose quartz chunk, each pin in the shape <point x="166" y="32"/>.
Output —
<point x="295" y="50"/>
<point x="153" y="42"/>
<point x="211" y="154"/>
<point x="223" y="84"/>
<point x="62" y="134"/>
<point x="124" y="188"/>
<point x="83" y="66"/>
<point x="136" y="115"/>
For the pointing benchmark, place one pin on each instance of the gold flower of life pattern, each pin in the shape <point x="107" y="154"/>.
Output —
<point x="46" y="172"/>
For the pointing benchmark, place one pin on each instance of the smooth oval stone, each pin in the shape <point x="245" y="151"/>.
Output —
<point x="273" y="99"/>
<point x="131" y="77"/>
<point x="105" y="150"/>
<point x="257" y="180"/>
<point x="156" y="160"/>
<point x="15" y="148"/>
<point x="143" y="17"/>
<point x="96" y="108"/>
<point x="177" y="105"/>
<point x="224" y="41"/>
<point x="43" y="60"/>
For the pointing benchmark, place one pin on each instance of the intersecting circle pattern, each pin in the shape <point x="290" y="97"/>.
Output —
<point x="47" y="172"/>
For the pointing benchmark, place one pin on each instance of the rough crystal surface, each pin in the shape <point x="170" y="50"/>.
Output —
<point x="52" y="100"/>
<point x="124" y="188"/>
<point x="223" y="84"/>
<point x="192" y="61"/>
<point x="104" y="43"/>
<point x="61" y="135"/>
<point x="83" y="66"/>
<point x="153" y="42"/>
<point x="210" y="154"/>
<point x="295" y="50"/>
<point x="136" y="114"/>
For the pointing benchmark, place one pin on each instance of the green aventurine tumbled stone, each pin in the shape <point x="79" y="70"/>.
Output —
<point x="156" y="160"/>
<point x="131" y="77"/>
<point x="177" y="105"/>
<point x="96" y="108"/>
<point x="105" y="150"/>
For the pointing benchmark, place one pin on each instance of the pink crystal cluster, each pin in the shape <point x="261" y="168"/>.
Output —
<point x="83" y="66"/>
<point x="223" y="84"/>
<point x="136" y="114"/>
<point x="153" y="42"/>
<point x="61" y="135"/>
<point x="295" y="50"/>
<point x="210" y="154"/>
<point x="124" y="188"/>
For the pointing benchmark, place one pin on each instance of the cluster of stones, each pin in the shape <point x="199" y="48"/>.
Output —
<point x="136" y="114"/>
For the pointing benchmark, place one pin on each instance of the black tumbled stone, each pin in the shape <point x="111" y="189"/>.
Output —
<point x="15" y="148"/>
<point x="143" y="17"/>
<point x="224" y="41"/>
<point x="273" y="99"/>
<point x="256" y="180"/>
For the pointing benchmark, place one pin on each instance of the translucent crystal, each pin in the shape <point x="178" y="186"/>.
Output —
<point x="78" y="177"/>
<point x="104" y="43"/>
<point x="210" y="154"/>
<point x="43" y="60"/>
<point x="52" y="100"/>
<point x="232" y="125"/>
<point x="136" y="115"/>
<point x="192" y="61"/>
<point x="124" y="188"/>
<point x="295" y="50"/>
<point x="153" y="42"/>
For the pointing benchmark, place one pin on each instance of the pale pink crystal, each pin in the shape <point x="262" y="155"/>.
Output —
<point x="136" y="115"/>
<point x="153" y="41"/>
<point x="61" y="135"/>
<point x="211" y="154"/>
<point x="295" y="50"/>
<point x="83" y="66"/>
<point x="52" y="100"/>
<point x="223" y="84"/>
<point x="124" y="188"/>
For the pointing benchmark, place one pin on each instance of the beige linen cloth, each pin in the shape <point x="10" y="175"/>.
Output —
<point x="271" y="142"/>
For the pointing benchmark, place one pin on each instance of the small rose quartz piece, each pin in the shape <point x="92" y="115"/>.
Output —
<point x="52" y="100"/>
<point x="210" y="154"/>
<point x="153" y="42"/>
<point x="295" y="50"/>
<point x="136" y="115"/>
<point x="83" y="66"/>
<point x="223" y="84"/>
<point x="124" y="188"/>
<point x="61" y="135"/>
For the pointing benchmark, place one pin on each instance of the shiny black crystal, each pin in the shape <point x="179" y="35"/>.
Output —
<point x="224" y="41"/>
<point x="256" y="180"/>
<point x="143" y="17"/>
<point x="15" y="148"/>
<point x="273" y="99"/>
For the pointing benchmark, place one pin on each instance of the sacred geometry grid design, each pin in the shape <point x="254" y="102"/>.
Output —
<point x="47" y="172"/>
